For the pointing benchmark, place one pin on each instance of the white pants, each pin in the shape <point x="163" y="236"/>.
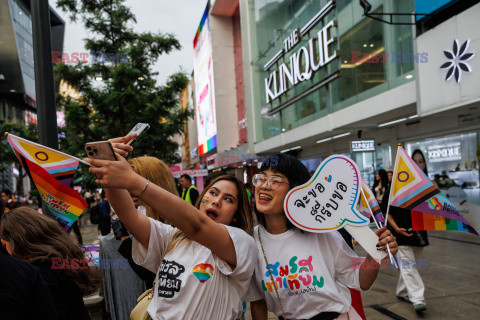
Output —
<point x="409" y="282"/>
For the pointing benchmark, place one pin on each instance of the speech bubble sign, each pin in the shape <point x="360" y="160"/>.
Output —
<point x="327" y="202"/>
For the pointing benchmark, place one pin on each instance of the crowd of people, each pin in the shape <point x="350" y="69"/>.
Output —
<point x="198" y="255"/>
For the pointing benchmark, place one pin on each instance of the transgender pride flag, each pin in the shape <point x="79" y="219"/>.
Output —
<point x="51" y="171"/>
<point x="429" y="209"/>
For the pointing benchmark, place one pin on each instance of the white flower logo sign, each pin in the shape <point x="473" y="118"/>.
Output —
<point x="327" y="202"/>
<point x="457" y="61"/>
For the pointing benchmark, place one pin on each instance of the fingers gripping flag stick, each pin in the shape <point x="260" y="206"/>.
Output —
<point x="51" y="171"/>
<point x="429" y="209"/>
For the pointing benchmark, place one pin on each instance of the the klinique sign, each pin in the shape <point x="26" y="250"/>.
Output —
<point x="305" y="60"/>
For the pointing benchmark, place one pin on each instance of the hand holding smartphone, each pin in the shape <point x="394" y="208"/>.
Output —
<point x="139" y="129"/>
<point x="101" y="150"/>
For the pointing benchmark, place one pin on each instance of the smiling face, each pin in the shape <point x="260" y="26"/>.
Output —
<point x="267" y="200"/>
<point x="220" y="202"/>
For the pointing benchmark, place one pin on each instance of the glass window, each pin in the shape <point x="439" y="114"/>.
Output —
<point x="367" y="47"/>
<point x="363" y="59"/>
<point x="451" y="160"/>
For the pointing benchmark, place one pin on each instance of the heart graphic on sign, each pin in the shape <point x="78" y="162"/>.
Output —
<point x="327" y="202"/>
<point x="321" y="207"/>
<point x="203" y="271"/>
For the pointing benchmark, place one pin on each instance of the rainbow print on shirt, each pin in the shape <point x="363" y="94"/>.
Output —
<point x="203" y="271"/>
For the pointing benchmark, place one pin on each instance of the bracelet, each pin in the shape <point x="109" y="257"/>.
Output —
<point x="144" y="188"/>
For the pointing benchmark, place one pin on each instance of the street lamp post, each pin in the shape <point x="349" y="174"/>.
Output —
<point x="44" y="85"/>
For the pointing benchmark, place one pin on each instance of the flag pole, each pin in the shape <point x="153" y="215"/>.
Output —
<point x="392" y="259"/>
<point x="369" y="209"/>
<point x="394" y="177"/>
<point x="53" y="150"/>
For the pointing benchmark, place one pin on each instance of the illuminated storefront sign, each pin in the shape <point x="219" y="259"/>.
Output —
<point x="321" y="49"/>
<point x="363" y="145"/>
<point x="441" y="153"/>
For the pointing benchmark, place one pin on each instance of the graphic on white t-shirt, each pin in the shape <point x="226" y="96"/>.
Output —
<point x="296" y="277"/>
<point x="168" y="282"/>
<point x="203" y="271"/>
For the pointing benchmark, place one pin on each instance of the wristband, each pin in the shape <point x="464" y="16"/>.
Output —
<point x="144" y="188"/>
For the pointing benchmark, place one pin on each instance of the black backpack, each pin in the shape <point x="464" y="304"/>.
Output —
<point x="95" y="214"/>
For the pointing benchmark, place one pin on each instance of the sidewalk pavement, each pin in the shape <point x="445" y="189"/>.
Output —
<point x="451" y="278"/>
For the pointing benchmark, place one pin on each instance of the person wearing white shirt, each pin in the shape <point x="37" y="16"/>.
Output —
<point x="308" y="274"/>
<point x="205" y="266"/>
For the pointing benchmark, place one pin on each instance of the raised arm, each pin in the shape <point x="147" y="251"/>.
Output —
<point x="197" y="226"/>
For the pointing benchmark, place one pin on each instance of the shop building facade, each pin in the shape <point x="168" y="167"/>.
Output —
<point x="385" y="82"/>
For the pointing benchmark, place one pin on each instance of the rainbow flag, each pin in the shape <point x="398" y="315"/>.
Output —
<point x="44" y="165"/>
<point x="429" y="209"/>
<point x="370" y="203"/>
<point x="60" y="165"/>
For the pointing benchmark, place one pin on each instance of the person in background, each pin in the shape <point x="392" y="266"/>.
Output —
<point x="381" y="189"/>
<point x="157" y="172"/>
<point x="9" y="199"/>
<point x="23" y="292"/>
<point x="39" y="240"/>
<point x="410" y="287"/>
<point x="247" y="188"/>
<point x="390" y="175"/>
<point x="105" y="215"/>
<point x="190" y="192"/>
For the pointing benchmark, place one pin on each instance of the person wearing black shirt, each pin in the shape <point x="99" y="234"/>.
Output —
<point x="23" y="292"/>
<point x="61" y="264"/>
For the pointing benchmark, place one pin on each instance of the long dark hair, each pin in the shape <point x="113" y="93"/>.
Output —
<point x="36" y="238"/>
<point x="383" y="179"/>
<point x="292" y="168"/>
<point x="418" y="151"/>
<point x="242" y="218"/>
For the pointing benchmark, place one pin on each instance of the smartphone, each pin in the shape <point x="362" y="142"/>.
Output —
<point x="139" y="129"/>
<point x="102" y="150"/>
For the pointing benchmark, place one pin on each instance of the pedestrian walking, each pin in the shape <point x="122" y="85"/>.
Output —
<point x="410" y="287"/>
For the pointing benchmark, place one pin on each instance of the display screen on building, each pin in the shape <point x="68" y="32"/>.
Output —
<point x="429" y="6"/>
<point x="204" y="88"/>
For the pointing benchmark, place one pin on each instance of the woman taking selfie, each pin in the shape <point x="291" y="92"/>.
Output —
<point x="308" y="273"/>
<point x="204" y="267"/>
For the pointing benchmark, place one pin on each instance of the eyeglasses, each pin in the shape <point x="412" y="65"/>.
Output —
<point x="273" y="182"/>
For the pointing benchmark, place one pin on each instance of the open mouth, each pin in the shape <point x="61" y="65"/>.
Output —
<point x="264" y="198"/>
<point x="212" y="214"/>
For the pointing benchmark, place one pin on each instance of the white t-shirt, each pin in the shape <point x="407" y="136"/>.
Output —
<point x="311" y="270"/>
<point x="192" y="282"/>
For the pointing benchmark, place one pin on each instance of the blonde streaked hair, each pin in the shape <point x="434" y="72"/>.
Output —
<point x="157" y="172"/>
<point x="242" y="219"/>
